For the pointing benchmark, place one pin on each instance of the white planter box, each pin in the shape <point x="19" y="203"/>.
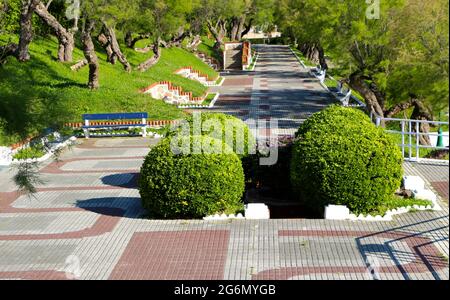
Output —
<point x="425" y="195"/>
<point x="257" y="211"/>
<point x="337" y="212"/>
<point x="413" y="183"/>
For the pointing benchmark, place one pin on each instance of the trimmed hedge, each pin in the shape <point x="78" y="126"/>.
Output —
<point x="207" y="121"/>
<point x="191" y="185"/>
<point x="341" y="158"/>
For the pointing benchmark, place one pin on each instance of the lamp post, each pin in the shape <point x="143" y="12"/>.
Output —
<point x="440" y="140"/>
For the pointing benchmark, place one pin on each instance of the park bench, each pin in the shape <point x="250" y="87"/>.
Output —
<point x="114" y="120"/>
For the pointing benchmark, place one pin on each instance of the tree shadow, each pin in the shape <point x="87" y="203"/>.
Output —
<point x="124" y="180"/>
<point x="29" y="102"/>
<point x="125" y="207"/>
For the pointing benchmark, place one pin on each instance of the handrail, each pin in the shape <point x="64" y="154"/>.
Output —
<point x="411" y="135"/>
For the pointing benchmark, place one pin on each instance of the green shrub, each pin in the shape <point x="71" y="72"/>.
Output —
<point x="191" y="185"/>
<point x="240" y="130"/>
<point x="341" y="158"/>
<point x="34" y="151"/>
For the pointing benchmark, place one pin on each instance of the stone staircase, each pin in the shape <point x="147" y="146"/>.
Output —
<point x="213" y="63"/>
<point x="233" y="59"/>
<point x="190" y="73"/>
<point x="171" y="94"/>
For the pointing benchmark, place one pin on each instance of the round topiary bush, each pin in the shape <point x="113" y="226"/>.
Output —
<point x="233" y="131"/>
<point x="180" y="185"/>
<point x="341" y="158"/>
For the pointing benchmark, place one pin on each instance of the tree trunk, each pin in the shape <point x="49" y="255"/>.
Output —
<point x="155" y="58"/>
<point x="131" y="42"/>
<point x="112" y="40"/>
<point x="241" y="28"/>
<point x="195" y="42"/>
<point x="129" y="39"/>
<point x="218" y="32"/>
<point x="178" y="39"/>
<point x="398" y="108"/>
<point x="65" y="37"/>
<point x="234" y="29"/>
<point x="322" y="60"/>
<point x="79" y="65"/>
<point x="421" y="112"/>
<point x="356" y="82"/>
<point x="110" y="55"/>
<point x="311" y="52"/>
<point x="247" y="28"/>
<point x="90" y="55"/>
<point x="26" y="29"/>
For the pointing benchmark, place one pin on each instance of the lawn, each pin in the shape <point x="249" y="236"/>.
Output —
<point x="207" y="47"/>
<point x="44" y="92"/>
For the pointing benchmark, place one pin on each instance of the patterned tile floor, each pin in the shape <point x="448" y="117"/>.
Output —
<point x="86" y="220"/>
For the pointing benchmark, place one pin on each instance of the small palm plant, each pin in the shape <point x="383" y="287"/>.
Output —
<point x="27" y="177"/>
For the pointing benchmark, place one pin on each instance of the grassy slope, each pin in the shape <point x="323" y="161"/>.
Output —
<point x="44" y="92"/>
<point x="207" y="47"/>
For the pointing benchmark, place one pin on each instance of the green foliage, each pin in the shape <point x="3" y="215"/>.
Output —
<point x="10" y="16"/>
<point x="50" y="93"/>
<point x="26" y="177"/>
<point x="191" y="186"/>
<point x="395" y="202"/>
<point x="220" y="126"/>
<point x="34" y="151"/>
<point x="341" y="158"/>
<point x="402" y="53"/>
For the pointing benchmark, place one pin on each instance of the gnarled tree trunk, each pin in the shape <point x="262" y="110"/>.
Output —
<point x="357" y="82"/>
<point x="154" y="59"/>
<point x="241" y="28"/>
<point x="234" y="28"/>
<point x="65" y="37"/>
<point x="246" y="29"/>
<point x="178" y="39"/>
<point x="110" y="55"/>
<point x="195" y="42"/>
<point x="129" y="39"/>
<point x="314" y="53"/>
<point x="112" y="40"/>
<point x="420" y="112"/>
<point x="26" y="29"/>
<point x="90" y="55"/>
<point x="131" y="42"/>
<point x="218" y="32"/>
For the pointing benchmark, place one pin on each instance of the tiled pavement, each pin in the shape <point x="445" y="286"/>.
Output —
<point x="86" y="221"/>
<point x="279" y="89"/>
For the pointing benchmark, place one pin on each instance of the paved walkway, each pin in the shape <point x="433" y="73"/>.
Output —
<point x="87" y="221"/>
<point x="279" y="89"/>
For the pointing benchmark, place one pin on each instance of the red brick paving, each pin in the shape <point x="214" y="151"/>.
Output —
<point x="442" y="189"/>
<point x="34" y="275"/>
<point x="181" y="255"/>
<point x="246" y="81"/>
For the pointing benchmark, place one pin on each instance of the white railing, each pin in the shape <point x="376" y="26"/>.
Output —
<point x="411" y="134"/>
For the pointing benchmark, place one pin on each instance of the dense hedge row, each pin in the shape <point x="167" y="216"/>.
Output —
<point x="340" y="157"/>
